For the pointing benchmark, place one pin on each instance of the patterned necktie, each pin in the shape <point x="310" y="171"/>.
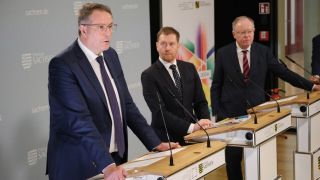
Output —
<point x="246" y="67"/>
<point x="177" y="79"/>
<point x="119" y="137"/>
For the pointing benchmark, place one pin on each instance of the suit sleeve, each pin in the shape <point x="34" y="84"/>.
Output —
<point x="315" y="63"/>
<point x="150" y="88"/>
<point x="286" y="74"/>
<point x="70" y="116"/>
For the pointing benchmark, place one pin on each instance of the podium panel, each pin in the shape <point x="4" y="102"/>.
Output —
<point x="258" y="141"/>
<point x="308" y="133"/>
<point x="268" y="158"/>
<point x="190" y="163"/>
<point x="306" y="113"/>
<point x="307" y="166"/>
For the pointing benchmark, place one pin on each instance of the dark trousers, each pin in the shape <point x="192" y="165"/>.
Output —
<point x="233" y="158"/>
<point x="233" y="162"/>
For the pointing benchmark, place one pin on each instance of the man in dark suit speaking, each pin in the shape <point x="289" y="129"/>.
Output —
<point x="169" y="77"/>
<point x="90" y="105"/>
<point x="239" y="76"/>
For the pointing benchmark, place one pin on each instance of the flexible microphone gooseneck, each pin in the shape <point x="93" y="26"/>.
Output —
<point x="294" y="62"/>
<point x="247" y="101"/>
<point x="165" y="127"/>
<point x="261" y="89"/>
<point x="190" y="115"/>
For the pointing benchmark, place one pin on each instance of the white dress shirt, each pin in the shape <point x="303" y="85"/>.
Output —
<point x="96" y="67"/>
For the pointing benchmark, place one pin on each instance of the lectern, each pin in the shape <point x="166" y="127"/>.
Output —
<point x="306" y="114"/>
<point x="258" y="141"/>
<point x="190" y="163"/>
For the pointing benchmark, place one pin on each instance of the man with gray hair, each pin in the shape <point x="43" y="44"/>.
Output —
<point x="239" y="75"/>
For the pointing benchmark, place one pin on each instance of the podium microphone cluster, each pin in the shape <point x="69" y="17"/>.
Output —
<point x="261" y="89"/>
<point x="255" y="120"/>
<point x="165" y="127"/>
<point x="191" y="116"/>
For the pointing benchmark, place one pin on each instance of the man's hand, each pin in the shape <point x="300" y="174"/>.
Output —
<point x="113" y="172"/>
<point x="315" y="79"/>
<point x="205" y="123"/>
<point x="165" y="146"/>
<point x="316" y="87"/>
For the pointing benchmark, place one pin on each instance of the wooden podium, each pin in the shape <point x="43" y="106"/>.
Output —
<point x="258" y="141"/>
<point x="190" y="162"/>
<point x="306" y="114"/>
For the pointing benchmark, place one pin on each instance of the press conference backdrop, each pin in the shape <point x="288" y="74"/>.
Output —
<point x="32" y="32"/>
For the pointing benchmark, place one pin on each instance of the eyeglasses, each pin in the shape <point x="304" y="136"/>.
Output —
<point x="103" y="27"/>
<point x="243" y="33"/>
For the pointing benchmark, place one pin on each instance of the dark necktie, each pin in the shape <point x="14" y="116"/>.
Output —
<point x="177" y="79"/>
<point x="246" y="67"/>
<point x="114" y="107"/>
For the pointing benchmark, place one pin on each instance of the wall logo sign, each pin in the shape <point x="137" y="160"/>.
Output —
<point x="34" y="155"/>
<point x="30" y="59"/>
<point x="37" y="12"/>
<point x="76" y="7"/>
<point x="40" y="108"/>
<point x="122" y="46"/>
<point x="130" y="6"/>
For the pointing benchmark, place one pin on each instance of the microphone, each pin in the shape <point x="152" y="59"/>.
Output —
<point x="247" y="101"/>
<point x="305" y="70"/>
<point x="165" y="127"/>
<point x="281" y="62"/>
<point x="190" y="115"/>
<point x="260" y="88"/>
<point x="301" y="83"/>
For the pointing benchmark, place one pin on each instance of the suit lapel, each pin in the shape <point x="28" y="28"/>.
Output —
<point x="167" y="78"/>
<point x="254" y="63"/>
<point x="235" y="63"/>
<point x="89" y="72"/>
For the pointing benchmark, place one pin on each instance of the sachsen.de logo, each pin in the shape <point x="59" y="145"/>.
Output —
<point x="29" y="59"/>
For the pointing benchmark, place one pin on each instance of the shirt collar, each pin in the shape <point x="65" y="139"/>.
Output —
<point x="240" y="50"/>
<point x="168" y="64"/>
<point x="90" y="55"/>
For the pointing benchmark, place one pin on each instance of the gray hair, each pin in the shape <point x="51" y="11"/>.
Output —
<point x="235" y="21"/>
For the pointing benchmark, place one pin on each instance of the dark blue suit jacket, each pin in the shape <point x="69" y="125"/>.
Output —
<point x="229" y="92"/>
<point x="315" y="63"/>
<point x="80" y="123"/>
<point x="157" y="79"/>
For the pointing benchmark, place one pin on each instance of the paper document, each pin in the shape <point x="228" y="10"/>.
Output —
<point x="149" y="159"/>
<point x="280" y="100"/>
<point x="230" y="121"/>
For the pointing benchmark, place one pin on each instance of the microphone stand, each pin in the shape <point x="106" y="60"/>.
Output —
<point x="304" y="69"/>
<point x="260" y="88"/>
<point x="294" y="62"/>
<point x="190" y="115"/>
<point x="255" y="120"/>
<point x="165" y="127"/>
